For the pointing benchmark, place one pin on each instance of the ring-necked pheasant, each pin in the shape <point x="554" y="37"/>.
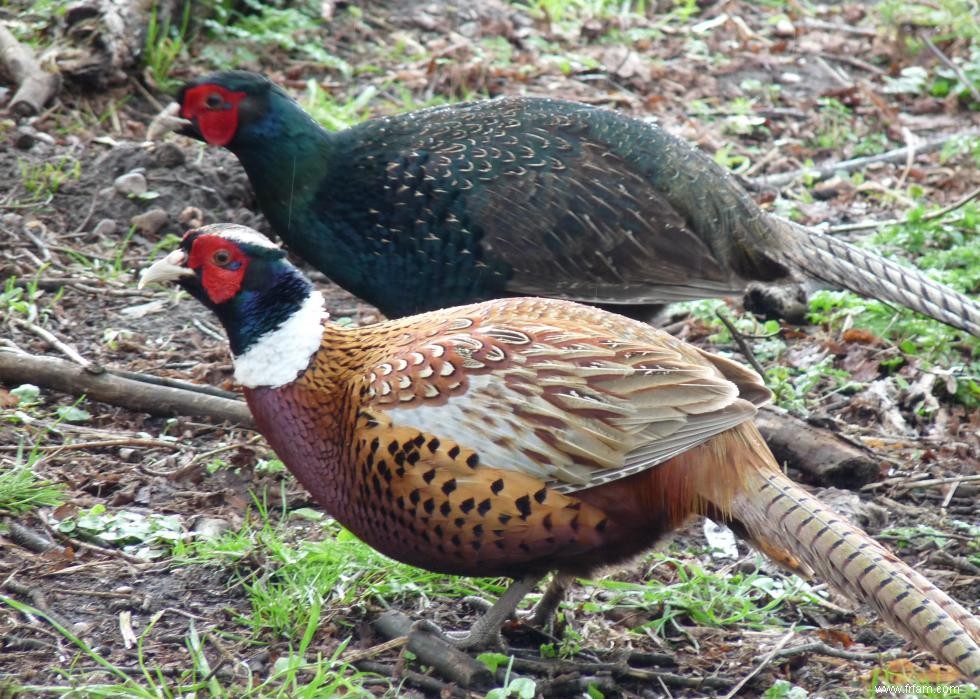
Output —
<point x="521" y="196"/>
<point x="526" y="435"/>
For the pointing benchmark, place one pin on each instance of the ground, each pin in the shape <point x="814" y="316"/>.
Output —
<point x="764" y="88"/>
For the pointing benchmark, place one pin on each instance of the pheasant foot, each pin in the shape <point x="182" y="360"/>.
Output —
<point x="485" y="631"/>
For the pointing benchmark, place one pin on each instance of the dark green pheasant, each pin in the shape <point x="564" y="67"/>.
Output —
<point x="521" y="196"/>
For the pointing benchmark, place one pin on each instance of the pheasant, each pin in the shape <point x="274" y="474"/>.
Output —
<point x="526" y="435"/>
<point x="521" y="196"/>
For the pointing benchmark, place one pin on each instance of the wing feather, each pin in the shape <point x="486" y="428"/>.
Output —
<point x="568" y="395"/>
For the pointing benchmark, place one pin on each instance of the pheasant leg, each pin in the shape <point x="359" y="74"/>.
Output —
<point x="544" y="611"/>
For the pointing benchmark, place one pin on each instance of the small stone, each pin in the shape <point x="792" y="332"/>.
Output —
<point x="191" y="217"/>
<point x="209" y="528"/>
<point x="168" y="155"/>
<point x="784" y="28"/>
<point x="12" y="221"/>
<point x="126" y="453"/>
<point x="131" y="183"/>
<point x="107" y="192"/>
<point x="105" y="228"/>
<point x="25" y="139"/>
<point x="123" y="589"/>
<point x="150" y="222"/>
<point x="788" y="78"/>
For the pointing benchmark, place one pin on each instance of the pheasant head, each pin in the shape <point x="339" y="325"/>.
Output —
<point x="271" y="312"/>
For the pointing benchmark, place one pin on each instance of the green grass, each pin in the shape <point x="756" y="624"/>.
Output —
<point x="283" y="572"/>
<point x="836" y="125"/>
<point x="949" y="19"/>
<point x="700" y="598"/>
<point x="42" y="180"/>
<point x="22" y="490"/>
<point x="241" y="30"/>
<point x="164" y="44"/>
<point x="562" y="10"/>
<point x="338" y="113"/>
<point x="294" y="675"/>
<point x="941" y="21"/>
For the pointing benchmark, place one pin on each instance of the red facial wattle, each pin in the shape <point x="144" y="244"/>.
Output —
<point x="215" y="111"/>
<point x="222" y="266"/>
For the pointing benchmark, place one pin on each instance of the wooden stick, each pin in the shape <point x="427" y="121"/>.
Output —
<point x="823" y="456"/>
<point x="822" y="172"/>
<point x="939" y="213"/>
<point x="36" y="86"/>
<point x="61" y="375"/>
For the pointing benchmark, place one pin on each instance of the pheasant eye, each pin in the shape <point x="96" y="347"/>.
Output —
<point x="221" y="257"/>
<point x="214" y="101"/>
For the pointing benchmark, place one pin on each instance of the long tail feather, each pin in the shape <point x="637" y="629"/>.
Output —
<point x="869" y="274"/>
<point x="781" y="515"/>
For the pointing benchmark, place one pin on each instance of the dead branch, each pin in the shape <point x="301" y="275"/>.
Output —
<point x="431" y="685"/>
<point x="939" y="213"/>
<point x="623" y="671"/>
<point x="821" y="648"/>
<point x="28" y="538"/>
<point x="823" y="456"/>
<point x="899" y="155"/>
<point x="944" y="59"/>
<point x="35" y="85"/>
<point x="61" y="375"/>
<point x="762" y="664"/>
<point x="105" y="38"/>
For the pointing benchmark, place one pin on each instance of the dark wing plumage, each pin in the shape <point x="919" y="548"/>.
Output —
<point x="533" y="196"/>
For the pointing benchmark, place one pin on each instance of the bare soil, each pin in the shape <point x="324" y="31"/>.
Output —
<point x="71" y="240"/>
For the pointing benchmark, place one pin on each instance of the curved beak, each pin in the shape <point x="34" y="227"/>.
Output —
<point x="170" y="120"/>
<point x="166" y="269"/>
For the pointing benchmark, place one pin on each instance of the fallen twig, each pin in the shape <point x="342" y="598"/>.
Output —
<point x="623" y="671"/>
<point x="415" y="679"/>
<point x="944" y="59"/>
<point x="743" y="346"/>
<point x="822" y="172"/>
<point x="60" y="375"/>
<point x="365" y="653"/>
<point x="939" y="213"/>
<point x="29" y="539"/>
<point x="174" y="383"/>
<point x="822" y="648"/>
<point x="102" y="444"/>
<point x="35" y="85"/>
<point x="34" y="594"/>
<point x="918" y="482"/>
<point x="53" y="340"/>
<point x="762" y="664"/>
<point x="78" y="544"/>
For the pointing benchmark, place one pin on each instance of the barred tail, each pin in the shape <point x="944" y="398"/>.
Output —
<point x="780" y="515"/>
<point x="869" y="274"/>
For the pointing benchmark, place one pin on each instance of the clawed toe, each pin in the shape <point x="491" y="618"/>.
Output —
<point x="478" y="637"/>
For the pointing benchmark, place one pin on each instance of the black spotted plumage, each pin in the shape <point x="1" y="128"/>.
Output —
<point x="525" y="196"/>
